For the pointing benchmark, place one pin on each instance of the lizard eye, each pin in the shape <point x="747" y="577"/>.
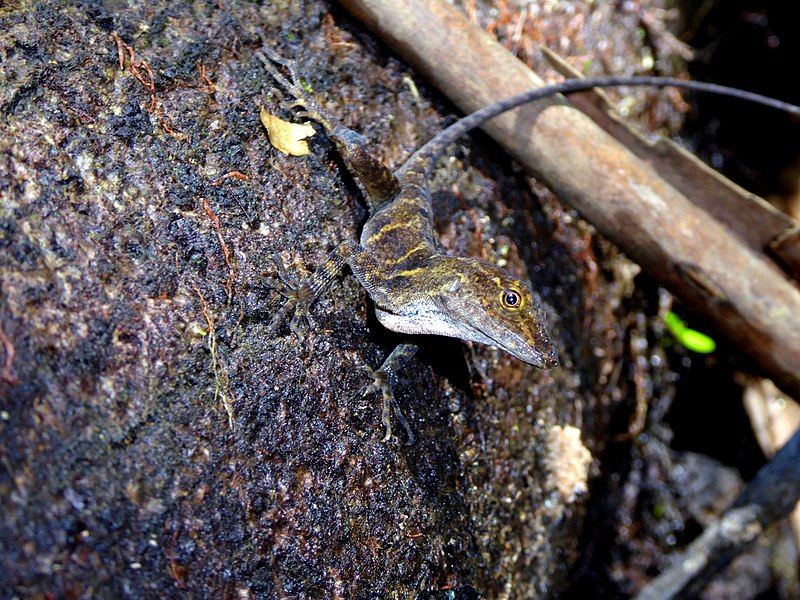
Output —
<point x="511" y="298"/>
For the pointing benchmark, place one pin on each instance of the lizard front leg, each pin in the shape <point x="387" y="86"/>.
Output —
<point x="384" y="379"/>
<point x="300" y="295"/>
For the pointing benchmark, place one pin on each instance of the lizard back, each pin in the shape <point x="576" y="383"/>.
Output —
<point x="400" y="233"/>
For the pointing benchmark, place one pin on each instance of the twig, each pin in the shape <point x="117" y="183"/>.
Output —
<point x="225" y="251"/>
<point x="210" y="88"/>
<point x="176" y="570"/>
<point x="220" y="374"/>
<point x="230" y="175"/>
<point x="772" y="495"/>
<point x="144" y="75"/>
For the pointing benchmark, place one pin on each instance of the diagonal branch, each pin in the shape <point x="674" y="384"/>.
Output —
<point x="696" y="255"/>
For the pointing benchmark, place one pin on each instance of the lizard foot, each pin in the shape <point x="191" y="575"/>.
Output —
<point x="301" y="294"/>
<point x="381" y="382"/>
<point x="301" y="98"/>
<point x="298" y="300"/>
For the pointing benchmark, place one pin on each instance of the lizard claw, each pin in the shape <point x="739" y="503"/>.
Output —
<point x="381" y="383"/>
<point x="277" y="58"/>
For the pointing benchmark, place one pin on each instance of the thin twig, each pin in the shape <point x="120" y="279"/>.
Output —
<point x="143" y="73"/>
<point x="225" y="251"/>
<point x="220" y="374"/>
<point x="8" y="372"/>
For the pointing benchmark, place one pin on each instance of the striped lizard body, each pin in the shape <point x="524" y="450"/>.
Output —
<point x="416" y="288"/>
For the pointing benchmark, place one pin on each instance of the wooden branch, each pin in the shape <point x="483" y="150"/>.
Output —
<point x="759" y="224"/>
<point x="737" y="287"/>
<point x="772" y="495"/>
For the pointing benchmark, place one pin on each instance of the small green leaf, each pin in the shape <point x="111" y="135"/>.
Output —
<point x="689" y="338"/>
<point x="674" y="323"/>
<point x="698" y="342"/>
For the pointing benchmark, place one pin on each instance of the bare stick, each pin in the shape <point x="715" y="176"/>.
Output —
<point x="772" y="495"/>
<point x="709" y="266"/>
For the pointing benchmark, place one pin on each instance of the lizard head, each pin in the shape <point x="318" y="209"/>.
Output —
<point x="473" y="300"/>
<point x="498" y="309"/>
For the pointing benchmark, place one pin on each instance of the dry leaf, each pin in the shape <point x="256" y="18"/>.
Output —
<point x="287" y="137"/>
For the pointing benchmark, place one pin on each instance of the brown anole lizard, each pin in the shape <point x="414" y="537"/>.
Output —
<point x="416" y="288"/>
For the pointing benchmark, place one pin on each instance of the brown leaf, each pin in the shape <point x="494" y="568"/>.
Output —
<point x="287" y="137"/>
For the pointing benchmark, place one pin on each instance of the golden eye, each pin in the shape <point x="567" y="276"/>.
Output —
<point x="511" y="298"/>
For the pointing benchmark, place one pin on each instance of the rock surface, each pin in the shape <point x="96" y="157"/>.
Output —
<point x="155" y="438"/>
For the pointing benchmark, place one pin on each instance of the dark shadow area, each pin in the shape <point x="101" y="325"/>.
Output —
<point x="754" y="46"/>
<point x="748" y="45"/>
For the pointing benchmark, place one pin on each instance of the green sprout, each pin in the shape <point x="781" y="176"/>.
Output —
<point x="306" y="86"/>
<point x="689" y="338"/>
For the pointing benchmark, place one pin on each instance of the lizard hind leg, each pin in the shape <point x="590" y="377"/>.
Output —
<point x="378" y="181"/>
<point x="291" y="85"/>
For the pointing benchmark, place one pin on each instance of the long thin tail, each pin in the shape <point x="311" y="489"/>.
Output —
<point x="422" y="161"/>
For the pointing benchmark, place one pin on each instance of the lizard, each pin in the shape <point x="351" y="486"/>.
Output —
<point x="415" y="287"/>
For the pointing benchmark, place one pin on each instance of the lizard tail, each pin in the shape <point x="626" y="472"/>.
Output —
<point x="421" y="163"/>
